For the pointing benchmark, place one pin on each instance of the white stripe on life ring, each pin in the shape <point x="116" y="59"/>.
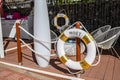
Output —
<point x="89" y="42"/>
<point x="56" y="19"/>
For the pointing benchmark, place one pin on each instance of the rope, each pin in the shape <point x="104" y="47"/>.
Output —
<point x="63" y="10"/>
<point x="99" y="56"/>
<point x="75" y="73"/>
<point x="37" y="38"/>
<point x="34" y="36"/>
<point x="37" y="53"/>
<point x="82" y="26"/>
<point x="15" y="48"/>
<point x="34" y="50"/>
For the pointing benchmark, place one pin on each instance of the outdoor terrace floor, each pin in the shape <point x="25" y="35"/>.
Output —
<point x="107" y="69"/>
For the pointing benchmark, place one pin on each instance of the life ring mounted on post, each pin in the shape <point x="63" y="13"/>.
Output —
<point x="89" y="42"/>
<point x="60" y="15"/>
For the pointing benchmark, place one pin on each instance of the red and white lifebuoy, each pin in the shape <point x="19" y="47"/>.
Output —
<point x="56" y="19"/>
<point x="89" y="42"/>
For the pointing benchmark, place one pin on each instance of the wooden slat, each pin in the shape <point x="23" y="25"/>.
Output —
<point x="99" y="71"/>
<point x="116" y="74"/>
<point x="86" y="73"/>
<point x="110" y="69"/>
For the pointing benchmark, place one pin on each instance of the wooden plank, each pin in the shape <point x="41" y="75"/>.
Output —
<point x="116" y="73"/>
<point x="110" y="69"/>
<point x="29" y="73"/>
<point x="86" y="73"/>
<point x="87" y="78"/>
<point x="99" y="70"/>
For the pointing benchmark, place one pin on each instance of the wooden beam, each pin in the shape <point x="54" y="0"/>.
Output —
<point x="18" y="44"/>
<point x="78" y="54"/>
